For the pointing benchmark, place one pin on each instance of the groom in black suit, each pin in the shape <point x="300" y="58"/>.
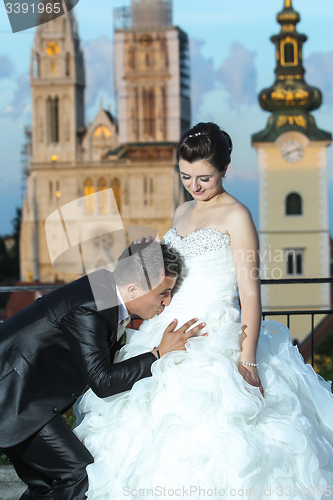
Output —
<point x="64" y="343"/>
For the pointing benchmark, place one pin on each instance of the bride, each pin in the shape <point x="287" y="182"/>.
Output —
<point x="237" y="414"/>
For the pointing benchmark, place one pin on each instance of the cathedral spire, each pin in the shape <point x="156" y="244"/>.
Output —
<point x="290" y="99"/>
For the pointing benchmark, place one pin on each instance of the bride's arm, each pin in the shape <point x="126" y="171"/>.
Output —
<point x="245" y="249"/>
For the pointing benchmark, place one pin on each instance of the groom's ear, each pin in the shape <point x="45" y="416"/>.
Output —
<point x="132" y="290"/>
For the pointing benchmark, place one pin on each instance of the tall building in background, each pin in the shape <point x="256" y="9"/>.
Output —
<point x="134" y="156"/>
<point x="293" y="205"/>
<point x="151" y="74"/>
<point x="57" y="81"/>
<point x="57" y="91"/>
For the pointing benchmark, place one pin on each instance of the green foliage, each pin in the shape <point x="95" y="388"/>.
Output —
<point x="326" y="347"/>
<point x="4" y="460"/>
<point x="324" y="357"/>
<point x="70" y="417"/>
<point x="9" y="259"/>
<point x="326" y="369"/>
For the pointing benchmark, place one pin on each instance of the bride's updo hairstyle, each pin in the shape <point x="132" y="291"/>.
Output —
<point x="206" y="141"/>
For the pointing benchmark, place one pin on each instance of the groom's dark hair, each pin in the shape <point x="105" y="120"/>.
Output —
<point x="144" y="263"/>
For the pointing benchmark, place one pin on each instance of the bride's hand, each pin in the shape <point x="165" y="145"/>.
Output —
<point x="251" y="376"/>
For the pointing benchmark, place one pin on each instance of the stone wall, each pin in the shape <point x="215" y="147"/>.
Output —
<point x="11" y="487"/>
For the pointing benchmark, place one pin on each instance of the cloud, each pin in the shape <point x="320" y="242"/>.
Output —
<point x="20" y="102"/>
<point x="202" y="75"/>
<point x="235" y="172"/>
<point x="98" y="61"/>
<point x="238" y="74"/>
<point x="319" y="72"/>
<point x="6" y="67"/>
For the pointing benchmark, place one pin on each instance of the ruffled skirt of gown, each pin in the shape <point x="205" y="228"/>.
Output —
<point x="196" y="429"/>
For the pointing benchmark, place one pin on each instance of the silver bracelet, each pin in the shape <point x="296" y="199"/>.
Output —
<point x="250" y="364"/>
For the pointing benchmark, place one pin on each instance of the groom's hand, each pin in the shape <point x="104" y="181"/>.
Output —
<point x="148" y="239"/>
<point x="176" y="340"/>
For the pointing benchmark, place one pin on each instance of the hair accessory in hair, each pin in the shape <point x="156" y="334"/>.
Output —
<point x="193" y="135"/>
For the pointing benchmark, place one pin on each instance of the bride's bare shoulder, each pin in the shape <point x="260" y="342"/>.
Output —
<point x="181" y="210"/>
<point x="237" y="214"/>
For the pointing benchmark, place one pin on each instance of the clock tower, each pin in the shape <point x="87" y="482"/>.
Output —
<point x="57" y="100"/>
<point x="57" y="84"/>
<point x="293" y="205"/>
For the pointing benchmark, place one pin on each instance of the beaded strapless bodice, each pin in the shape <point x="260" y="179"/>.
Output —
<point x="208" y="273"/>
<point x="197" y="243"/>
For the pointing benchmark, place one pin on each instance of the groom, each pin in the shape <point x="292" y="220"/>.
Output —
<point x="63" y="344"/>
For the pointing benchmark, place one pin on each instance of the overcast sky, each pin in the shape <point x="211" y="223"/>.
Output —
<point x="232" y="60"/>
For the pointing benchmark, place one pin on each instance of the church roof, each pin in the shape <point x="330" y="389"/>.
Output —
<point x="290" y="99"/>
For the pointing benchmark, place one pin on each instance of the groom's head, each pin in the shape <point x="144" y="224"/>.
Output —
<point x="146" y="274"/>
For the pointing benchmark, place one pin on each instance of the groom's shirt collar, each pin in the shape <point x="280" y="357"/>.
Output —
<point x="122" y="309"/>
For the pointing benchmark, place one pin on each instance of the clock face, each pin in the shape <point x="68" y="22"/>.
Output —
<point x="292" y="151"/>
<point x="52" y="48"/>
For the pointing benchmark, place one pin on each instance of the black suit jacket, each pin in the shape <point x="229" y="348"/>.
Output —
<point x="54" y="350"/>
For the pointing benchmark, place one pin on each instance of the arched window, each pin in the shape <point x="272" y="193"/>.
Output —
<point x="68" y="63"/>
<point x="102" y="132"/>
<point x="165" y="112"/>
<point x="131" y="57"/>
<point x="145" y="191"/>
<point x="289" y="55"/>
<point x="52" y="107"/>
<point x="289" y="48"/>
<point x="148" y="191"/>
<point x="115" y="185"/>
<point x="89" y="199"/>
<point x="136" y="114"/>
<point x="148" y="59"/>
<point x="151" y="191"/>
<point x="126" y="193"/>
<point x="102" y="197"/>
<point x="148" y="97"/>
<point x="294" y="204"/>
<point x="294" y="261"/>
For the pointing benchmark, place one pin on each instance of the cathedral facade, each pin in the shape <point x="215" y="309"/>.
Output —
<point x="120" y="167"/>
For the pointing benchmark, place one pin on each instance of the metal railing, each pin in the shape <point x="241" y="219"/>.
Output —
<point x="287" y="313"/>
<point x="308" y="312"/>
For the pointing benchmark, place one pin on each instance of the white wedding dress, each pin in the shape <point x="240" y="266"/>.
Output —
<point x="195" y="428"/>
